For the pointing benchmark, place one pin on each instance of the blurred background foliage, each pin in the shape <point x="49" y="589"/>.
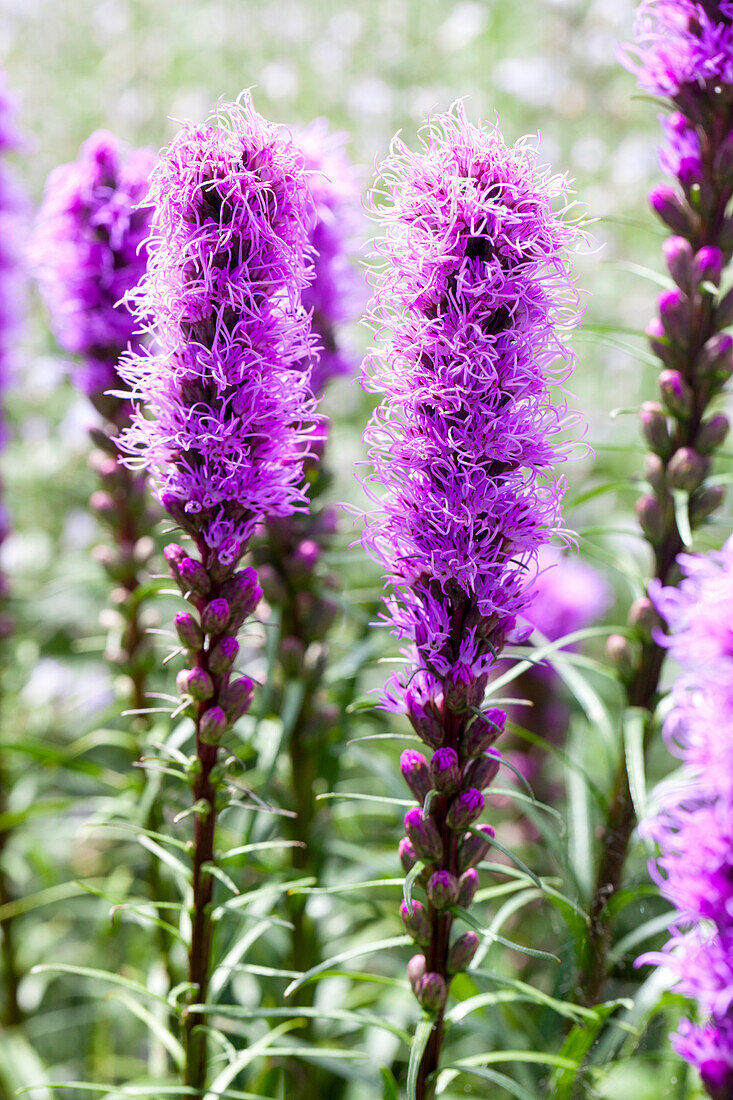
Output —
<point x="371" y="68"/>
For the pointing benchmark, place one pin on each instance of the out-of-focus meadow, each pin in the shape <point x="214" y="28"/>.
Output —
<point x="370" y="68"/>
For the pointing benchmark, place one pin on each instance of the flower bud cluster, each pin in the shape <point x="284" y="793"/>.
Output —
<point x="685" y="53"/>
<point x="220" y="602"/>
<point x="442" y="831"/>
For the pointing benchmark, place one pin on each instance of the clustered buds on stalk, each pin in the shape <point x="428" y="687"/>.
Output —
<point x="472" y="306"/>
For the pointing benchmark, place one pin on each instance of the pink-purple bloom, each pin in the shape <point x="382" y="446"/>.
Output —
<point x="473" y="304"/>
<point x="694" y="828"/>
<point x="683" y="45"/>
<point x="335" y="295"/>
<point x="89" y="250"/>
<point x="228" y="420"/>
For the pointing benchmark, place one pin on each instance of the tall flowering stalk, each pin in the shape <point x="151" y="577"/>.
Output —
<point x="11" y="209"/>
<point x="89" y="250"/>
<point x="289" y="554"/>
<point x="224" y="425"/>
<point x="694" y="828"/>
<point x="685" y="55"/>
<point x="472" y="307"/>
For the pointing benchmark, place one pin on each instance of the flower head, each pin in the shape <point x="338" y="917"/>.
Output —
<point x="683" y="43"/>
<point x="228" y="418"/>
<point x="472" y="307"/>
<point x="89" y="249"/>
<point x="335" y="295"/>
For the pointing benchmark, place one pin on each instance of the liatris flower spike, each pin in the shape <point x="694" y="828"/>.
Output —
<point x="224" y="427"/>
<point x="89" y="249"/>
<point x="694" y="829"/>
<point x="473" y="305"/>
<point x="684" y="53"/>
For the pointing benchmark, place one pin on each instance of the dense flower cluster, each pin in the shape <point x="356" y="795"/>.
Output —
<point x="472" y="306"/>
<point x="334" y="296"/>
<point x="683" y="43"/>
<point x="89" y="249"/>
<point x="229" y="261"/>
<point x="694" y="828"/>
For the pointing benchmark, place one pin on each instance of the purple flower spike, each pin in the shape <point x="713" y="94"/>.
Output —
<point x="224" y="422"/>
<point x="694" y="829"/>
<point x="473" y="305"/>
<point x="683" y="44"/>
<point x="337" y="293"/>
<point x="90" y="250"/>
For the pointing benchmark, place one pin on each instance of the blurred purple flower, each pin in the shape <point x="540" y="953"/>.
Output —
<point x="89" y="249"/>
<point x="694" y="828"/>
<point x="567" y="594"/>
<point x="682" y="43"/>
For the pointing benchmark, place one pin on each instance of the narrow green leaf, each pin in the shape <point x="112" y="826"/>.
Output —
<point x="496" y="1078"/>
<point x="97" y="975"/>
<point x="422" y="1036"/>
<point x="634" y="726"/>
<point x="390" y="1090"/>
<point x="156" y="1026"/>
<point x="344" y="956"/>
<point x="353" y="797"/>
<point x="410" y="879"/>
<point x="682" y="515"/>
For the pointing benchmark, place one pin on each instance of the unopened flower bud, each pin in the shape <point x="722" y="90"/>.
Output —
<point x="416" y="773"/>
<point x="677" y="396"/>
<point x="445" y="770"/>
<point x="704" y="502"/>
<point x="678" y="256"/>
<point x="690" y="173"/>
<point x="189" y="631"/>
<point x="425" y="716"/>
<point x="655" y="472"/>
<point x="192" y="577"/>
<point x="459" y="687"/>
<point x="715" y="362"/>
<point x="651" y="516"/>
<point x="708" y="266"/>
<point x="464" y="809"/>
<point x="212" y="725"/>
<point x="416" y="922"/>
<point x="474" y="847"/>
<point x="423" y="833"/>
<point x="660" y="343"/>
<point x="467" y="887"/>
<point x="306" y="556"/>
<point x="461" y="952"/>
<point x="667" y="205"/>
<point x="215" y="616"/>
<point x="621" y="655"/>
<point x="712" y="433"/>
<point x="431" y="991"/>
<point x="103" y="505"/>
<point x="105" y="442"/>
<point x="195" y="682"/>
<point x="483" y="731"/>
<point x="242" y="593"/>
<point x="482" y="770"/>
<point x="643" y="617"/>
<point x="442" y="889"/>
<point x="408" y="858"/>
<point x="674" y="313"/>
<point x="272" y="585"/>
<point x="223" y="655"/>
<point x="415" y="970"/>
<point x="686" y="469"/>
<point x="174" y="555"/>
<point x="654" y="428"/>
<point x="236" y="698"/>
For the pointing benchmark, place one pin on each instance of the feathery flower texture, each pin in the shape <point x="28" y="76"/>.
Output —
<point x="472" y="306"/>
<point x="230" y="259"/>
<point x="694" y="828"/>
<point x="89" y="248"/>
<point x="229" y="415"/>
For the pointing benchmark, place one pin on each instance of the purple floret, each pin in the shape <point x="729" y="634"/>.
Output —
<point x="227" y="419"/>
<point x="694" y="829"/>
<point x="11" y="209"/>
<point x="89" y="250"/>
<point x="472" y="307"/>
